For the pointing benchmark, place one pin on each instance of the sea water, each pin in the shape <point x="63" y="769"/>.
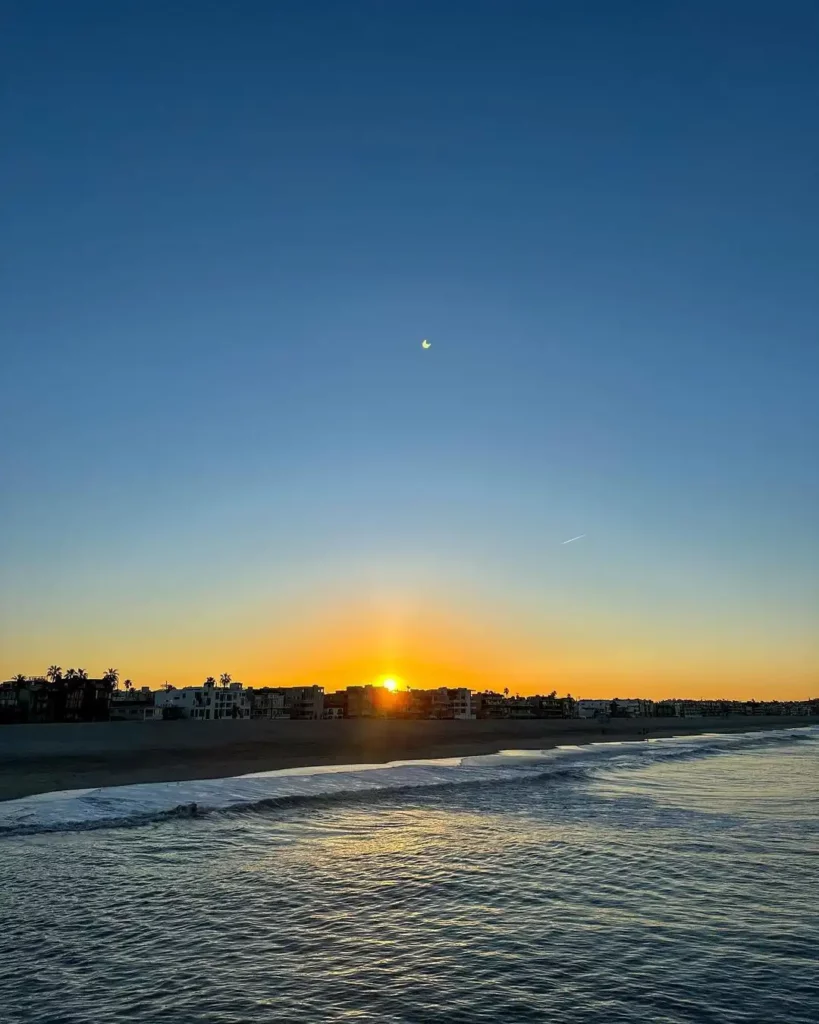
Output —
<point x="662" y="881"/>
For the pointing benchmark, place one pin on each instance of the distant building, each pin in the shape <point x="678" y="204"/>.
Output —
<point x="9" y="703"/>
<point x="452" y="702"/>
<point x="552" y="706"/>
<point x="709" y="708"/>
<point x="362" y="701"/>
<point x="631" y="707"/>
<point x="519" y="707"/>
<point x="801" y="707"/>
<point x="335" y="705"/>
<point x="379" y="702"/>
<point x="420" y="704"/>
<point x="267" y="702"/>
<point x="68" y="699"/>
<point x="204" y="703"/>
<point x="489" y="704"/>
<point x="30" y="700"/>
<point x="304" y="702"/>
<point x="132" y="705"/>
<point x="593" y="708"/>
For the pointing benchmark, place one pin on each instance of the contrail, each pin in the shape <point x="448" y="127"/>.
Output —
<point x="580" y="536"/>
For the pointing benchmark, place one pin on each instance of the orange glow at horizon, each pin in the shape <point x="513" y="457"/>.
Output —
<point x="433" y="647"/>
<point x="424" y="644"/>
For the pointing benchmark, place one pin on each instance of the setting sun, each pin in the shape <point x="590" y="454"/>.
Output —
<point x="390" y="684"/>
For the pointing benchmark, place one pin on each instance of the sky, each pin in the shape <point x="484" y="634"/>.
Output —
<point x="226" y="229"/>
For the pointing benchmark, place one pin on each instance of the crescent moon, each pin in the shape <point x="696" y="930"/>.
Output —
<point x="426" y="344"/>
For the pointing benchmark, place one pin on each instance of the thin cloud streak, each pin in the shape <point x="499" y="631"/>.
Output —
<point x="571" y="540"/>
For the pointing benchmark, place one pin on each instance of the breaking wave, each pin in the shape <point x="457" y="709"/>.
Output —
<point x="135" y="804"/>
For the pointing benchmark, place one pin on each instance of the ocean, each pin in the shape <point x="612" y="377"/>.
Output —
<point x="663" y="881"/>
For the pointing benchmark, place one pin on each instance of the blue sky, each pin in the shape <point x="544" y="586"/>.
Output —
<point x="227" y="229"/>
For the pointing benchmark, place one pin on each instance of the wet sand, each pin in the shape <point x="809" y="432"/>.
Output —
<point x="44" y="758"/>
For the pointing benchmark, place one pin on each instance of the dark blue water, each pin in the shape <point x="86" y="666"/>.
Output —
<point x="658" y="882"/>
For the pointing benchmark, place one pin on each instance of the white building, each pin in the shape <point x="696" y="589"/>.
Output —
<point x="593" y="708"/>
<point x="206" y="702"/>
<point x="619" y="707"/>
<point x="632" y="707"/>
<point x="462" y="703"/>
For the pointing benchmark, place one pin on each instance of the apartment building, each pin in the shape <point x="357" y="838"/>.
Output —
<point x="205" y="703"/>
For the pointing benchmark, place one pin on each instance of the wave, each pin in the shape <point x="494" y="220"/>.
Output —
<point x="135" y="804"/>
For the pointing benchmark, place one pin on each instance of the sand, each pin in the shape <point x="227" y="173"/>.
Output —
<point x="44" y="758"/>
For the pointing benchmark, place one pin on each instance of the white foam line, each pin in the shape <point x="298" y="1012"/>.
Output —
<point x="90" y="807"/>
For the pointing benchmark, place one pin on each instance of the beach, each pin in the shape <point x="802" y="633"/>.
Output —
<point x="47" y="758"/>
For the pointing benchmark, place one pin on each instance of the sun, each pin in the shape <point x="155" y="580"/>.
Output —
<point x="390" y="684"/>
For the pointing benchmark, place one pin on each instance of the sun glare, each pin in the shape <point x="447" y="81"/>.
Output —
<point x="390" y="684"/>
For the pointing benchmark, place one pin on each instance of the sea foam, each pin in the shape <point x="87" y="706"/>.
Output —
<point x="116" y="805"/>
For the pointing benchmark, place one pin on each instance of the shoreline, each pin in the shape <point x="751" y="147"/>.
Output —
<point x="47" y="758"/>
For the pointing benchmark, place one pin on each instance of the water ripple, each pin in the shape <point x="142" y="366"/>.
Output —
<point x="642" y="887"/>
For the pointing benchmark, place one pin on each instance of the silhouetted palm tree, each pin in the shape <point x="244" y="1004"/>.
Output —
<point x="224" y="679"/>
<point x="20" y="679"/>
<point x="128" y="684"/>
<point x="70" y="673"/>
<point x="210" y="681"/>
<point x="54" y="674"/>
<point x="111" y="676"/>
<point x="81" y="673"/>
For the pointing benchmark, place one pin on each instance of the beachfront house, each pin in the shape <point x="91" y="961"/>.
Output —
<point x="73" y="698"/>
<point x="593" y="708"/>
<point x="303" y="702"/>
<point x="204" y="703"/>
<point x="267" y="702"/>
<point x="335" y="705"/>
<point x="552" y="706"/>
<point x="452" y="702"/>
<point x="631" y="707"/>
<point x="132" y="705"/>
<point x="489" y="704"/>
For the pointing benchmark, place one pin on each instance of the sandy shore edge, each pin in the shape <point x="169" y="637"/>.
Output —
<point x="46" y="758"/>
